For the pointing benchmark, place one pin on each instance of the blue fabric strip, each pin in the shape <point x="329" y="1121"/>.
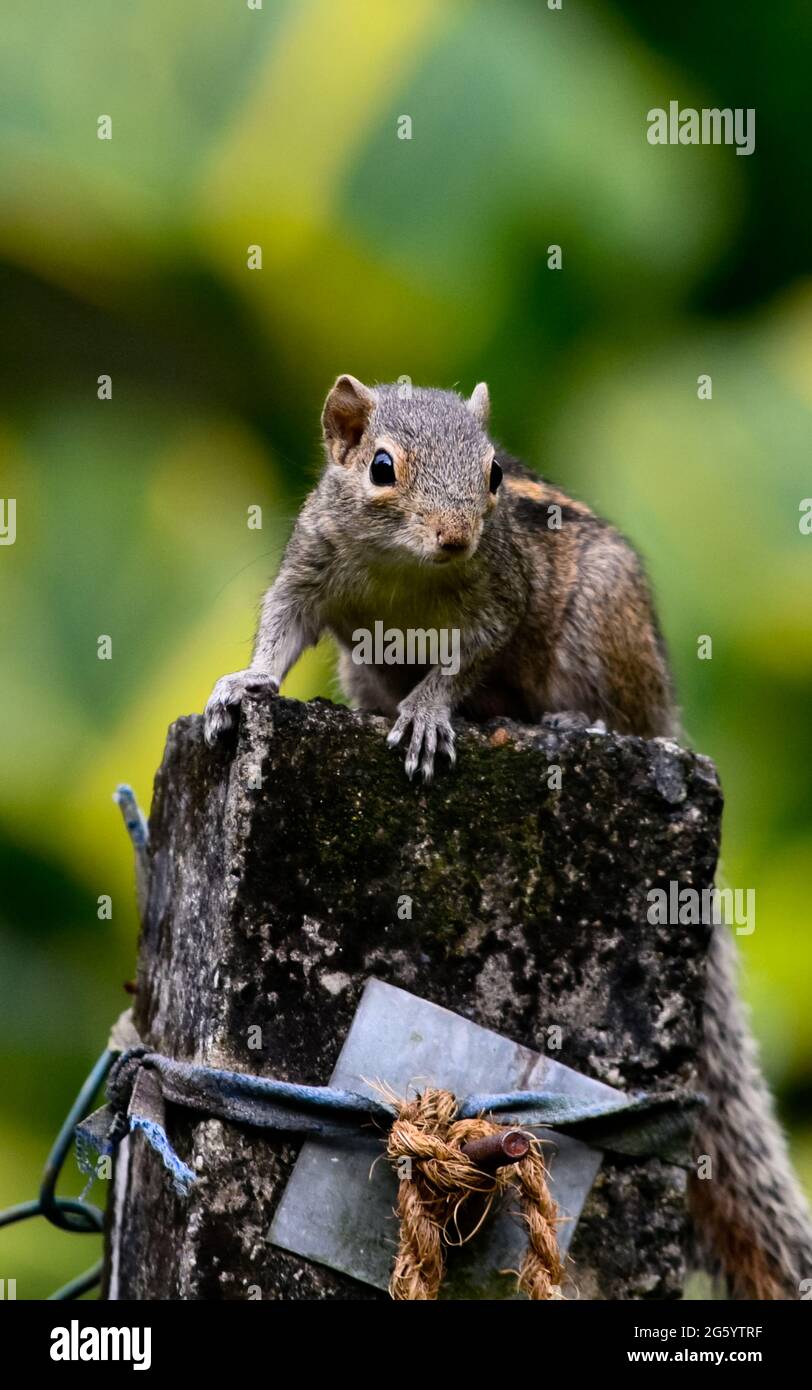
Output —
<point x="643" y="1124"/>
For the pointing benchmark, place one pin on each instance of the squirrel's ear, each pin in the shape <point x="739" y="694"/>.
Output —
<point x="479" y="403"/>
<point x="345" y="415"/>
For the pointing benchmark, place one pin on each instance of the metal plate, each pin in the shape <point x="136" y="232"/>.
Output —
<point x="338" y="1206"/>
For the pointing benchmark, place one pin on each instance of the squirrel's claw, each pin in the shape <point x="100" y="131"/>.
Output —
<point x="419" y="734"/>
<point x="397" y="730"/>
<point x="431" y="730"/>
<point x="217" y="720"/>
<point x="429" y="749"/>
<point x="221" y="710"/>
<point x="447" y="739"/>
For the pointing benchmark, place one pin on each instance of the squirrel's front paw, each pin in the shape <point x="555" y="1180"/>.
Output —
<point x="431" y="730"/>
<point x="226" y="697"/>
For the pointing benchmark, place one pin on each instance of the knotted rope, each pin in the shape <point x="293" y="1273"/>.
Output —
<point x="443" y="1186"/>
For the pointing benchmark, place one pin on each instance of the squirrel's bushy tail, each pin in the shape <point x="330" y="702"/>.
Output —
<point x="752" y="1224"/>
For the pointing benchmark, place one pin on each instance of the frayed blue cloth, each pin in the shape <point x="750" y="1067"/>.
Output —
<point x="182" y="1177"/>
<point x="141" y="1082"/>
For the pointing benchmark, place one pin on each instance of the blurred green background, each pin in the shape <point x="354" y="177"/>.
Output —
<point x="428" y="257"/>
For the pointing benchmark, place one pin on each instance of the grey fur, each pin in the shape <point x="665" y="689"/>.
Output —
<point x="533" y="641"/>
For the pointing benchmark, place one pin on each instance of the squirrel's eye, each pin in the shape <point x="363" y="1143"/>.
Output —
<point x="382" y="469"/>
<point x="496" y="476"/>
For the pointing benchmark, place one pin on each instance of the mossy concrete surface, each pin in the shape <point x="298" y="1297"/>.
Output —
<point x="294" y="863"/>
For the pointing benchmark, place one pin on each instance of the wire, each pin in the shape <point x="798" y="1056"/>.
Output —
<point x="67" y="1213"/>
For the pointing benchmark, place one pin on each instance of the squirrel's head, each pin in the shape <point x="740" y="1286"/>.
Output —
<point x="417" y="462"/>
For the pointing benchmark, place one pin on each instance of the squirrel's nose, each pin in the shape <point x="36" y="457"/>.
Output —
<point x="453" y="541"/>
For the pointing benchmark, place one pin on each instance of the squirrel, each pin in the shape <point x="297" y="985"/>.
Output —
<point x="419" y="520"/>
